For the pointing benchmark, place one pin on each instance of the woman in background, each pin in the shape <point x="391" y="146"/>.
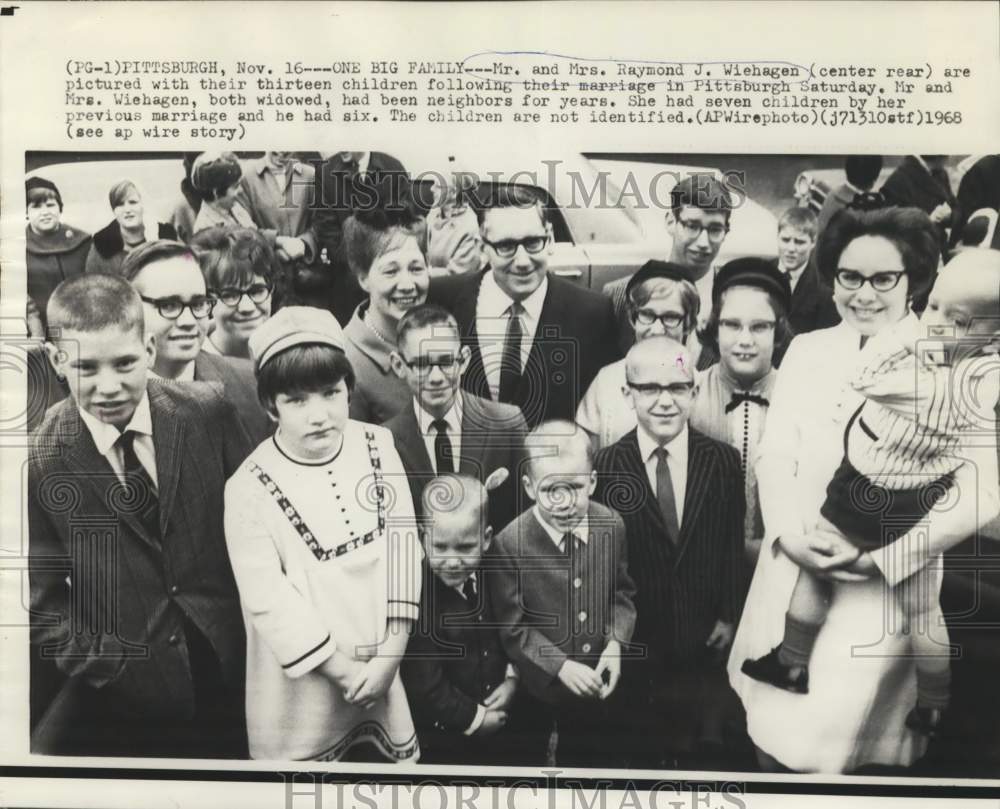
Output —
<point x="115" y="241"/>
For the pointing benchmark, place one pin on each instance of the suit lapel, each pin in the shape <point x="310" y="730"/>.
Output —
<point x="632" y="465"/>
<point x="473" y="450"/>
<point x="695" y="494"/>
<point x="411" y="443"/>
<point x="168" y="436"/>
<point x="465" y="305"/>
<point x="551" y="313"/>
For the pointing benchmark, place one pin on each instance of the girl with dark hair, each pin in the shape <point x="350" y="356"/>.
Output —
<point x="385" y="251"/>
<point x="328" y="574"/>
<point x="115" y="241"/>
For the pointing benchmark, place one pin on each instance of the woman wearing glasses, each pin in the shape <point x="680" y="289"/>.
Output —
<point x="240" y="270"/>
<point x="861" y="683"/>
<point x="385" y="252"/>
<point x="126" y="232"/>
<point x="661" y="300"/>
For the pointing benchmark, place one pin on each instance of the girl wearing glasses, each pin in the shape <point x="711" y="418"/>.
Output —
<point x="851" y="708"/>
<point x="240" y="272"/>
<point x="750" y="303"/>
<point x="661" y="300"/>
<point x="385" y="250"/>
<point x="127" y="231"/>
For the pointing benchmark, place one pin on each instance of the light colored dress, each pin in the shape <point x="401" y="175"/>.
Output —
<point x="861" y="682"/>
<point x="331" y="581"/>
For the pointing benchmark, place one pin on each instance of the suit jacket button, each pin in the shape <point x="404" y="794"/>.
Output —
<point x="173" y="640"/>
<point x="577" y="582"/>
<point x="586" y="648"/>
<point x="174" y="590"/>
<point x="582" y="616"/>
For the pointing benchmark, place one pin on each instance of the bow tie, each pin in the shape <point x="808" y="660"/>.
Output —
<point x="740" y="398"/>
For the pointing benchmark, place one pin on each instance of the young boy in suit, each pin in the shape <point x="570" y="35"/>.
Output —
<point x="459" y="682"/>
<point x="132" y="594"/>
<point x="562" y="592"/>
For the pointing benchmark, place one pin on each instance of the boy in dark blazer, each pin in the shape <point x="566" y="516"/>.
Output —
<point x="681" y="496"/>
<point x="459" y="682"/>
<point x="132" y="593"/>
<point x="447" y="430"/>
<point x="563" y="594"/>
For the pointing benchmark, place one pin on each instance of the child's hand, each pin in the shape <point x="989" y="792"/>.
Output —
<point x="581" y="680"/>
<point x="721" y="637"/>
<point x="492" y="722"/>
<point x="372" y="682"/>
<point x="500" y="699"/>
<point x="341" y="670"/>
<point x="610" y="662"/>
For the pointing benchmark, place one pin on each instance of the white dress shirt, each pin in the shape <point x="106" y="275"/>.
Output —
<point x="454" y="430"/>
<point x="677" y="463"/>
<point x="795" y="275"/>
<point x="106" y="436"/>
<point x="492" y="316"/>
<point x="581" y="530"/>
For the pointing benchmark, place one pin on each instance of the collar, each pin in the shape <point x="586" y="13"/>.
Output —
<point x="453" y="416"/>
<point x="458" y="588"/>
<point x="730" y="385"/>
<point x="795" y="275"/>
<point x="678" y="446"/>
<point x="581" y="530"/>
<point x="262" y="164"/>
<point x="105" y="435"/>
<point x="187" y="375"/>
<point x="494" y="302"/>
<point x="366" y="341"/>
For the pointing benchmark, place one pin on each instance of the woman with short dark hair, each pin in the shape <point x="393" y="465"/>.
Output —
<point x="127" y="231"/>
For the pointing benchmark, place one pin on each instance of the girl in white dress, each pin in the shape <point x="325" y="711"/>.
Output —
<point x="323" y="543"/>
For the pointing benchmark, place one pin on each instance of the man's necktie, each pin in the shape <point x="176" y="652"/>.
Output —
<point x="510" y="361"/>
<point x="444" y="456"/>
<point x="740" y="397"/>
<point x="665" y="495"/>
<point x="145" y="490"/>
<point x="470" y="592"/>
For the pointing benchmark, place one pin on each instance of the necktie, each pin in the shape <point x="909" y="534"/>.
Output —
<point x="444" y="458"/>
<point x="740" y="397"/>
<point x="665" y="495"/>
<point x="470" y="593"/>
<point x="569" y="540"/>
<point x="510" y="361"/>
<point x="138" y="478"/>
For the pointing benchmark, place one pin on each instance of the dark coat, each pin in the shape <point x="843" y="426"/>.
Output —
<point x="682" y="591"/>
<point x="492" y="437"/>
<point x="240" y="384"/>
<point x="812" y="303"/>
<point x="544" y="617"/>
<point x="454" y="659"/>
<point x="576" y="337"/>
<point x="51" y="259"/>
<point x="107" y="253"/>
<point x="93" y="563"/>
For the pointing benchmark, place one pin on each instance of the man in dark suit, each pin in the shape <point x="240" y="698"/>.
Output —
<point x="177" y="311"/>
<point x="681" y="496"/>
<point x="345" y="182"/>
<point x="447" y="430"/>
<point x="537" y="341"/>
<point x="132" y="593"/>
<point x="459" y="683"/>
<point x="812" y="302"/>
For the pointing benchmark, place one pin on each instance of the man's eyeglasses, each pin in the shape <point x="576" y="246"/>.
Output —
<point x="448" y="363"/>
<point x="507" y="248"/>
<point x="715" y="231"/>
<point x="677" y="390"/>
<point x="880" y="281"/>
<point x="231" y="296"/>
<point x="647" y="317"/>
<point x="758" y="328"/>
<point x="171" y="308"/>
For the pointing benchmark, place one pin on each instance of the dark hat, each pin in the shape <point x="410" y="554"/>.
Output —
<point x="33" y="183"/>
<point x="752" y="272"/>
<point x="213" y="171"/>
<point x="658" y="269"/>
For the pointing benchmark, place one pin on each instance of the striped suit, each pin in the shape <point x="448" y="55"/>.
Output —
<point x="681" y="591"/>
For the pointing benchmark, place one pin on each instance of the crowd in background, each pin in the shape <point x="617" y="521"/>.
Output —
<point x="370" y="510"/>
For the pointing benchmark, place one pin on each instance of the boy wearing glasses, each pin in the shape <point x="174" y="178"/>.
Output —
<point x="536" y="340"/>
<point x="178" y="312"/>
<point x="132" y="594"/>
<point x="681" y="496"/>
<point x="930" y="387"/>
<point x="447" y="430"/>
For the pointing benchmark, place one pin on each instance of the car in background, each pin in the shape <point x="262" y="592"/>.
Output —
<point x="601" y="231"/>
<point x="812" y="187"/>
